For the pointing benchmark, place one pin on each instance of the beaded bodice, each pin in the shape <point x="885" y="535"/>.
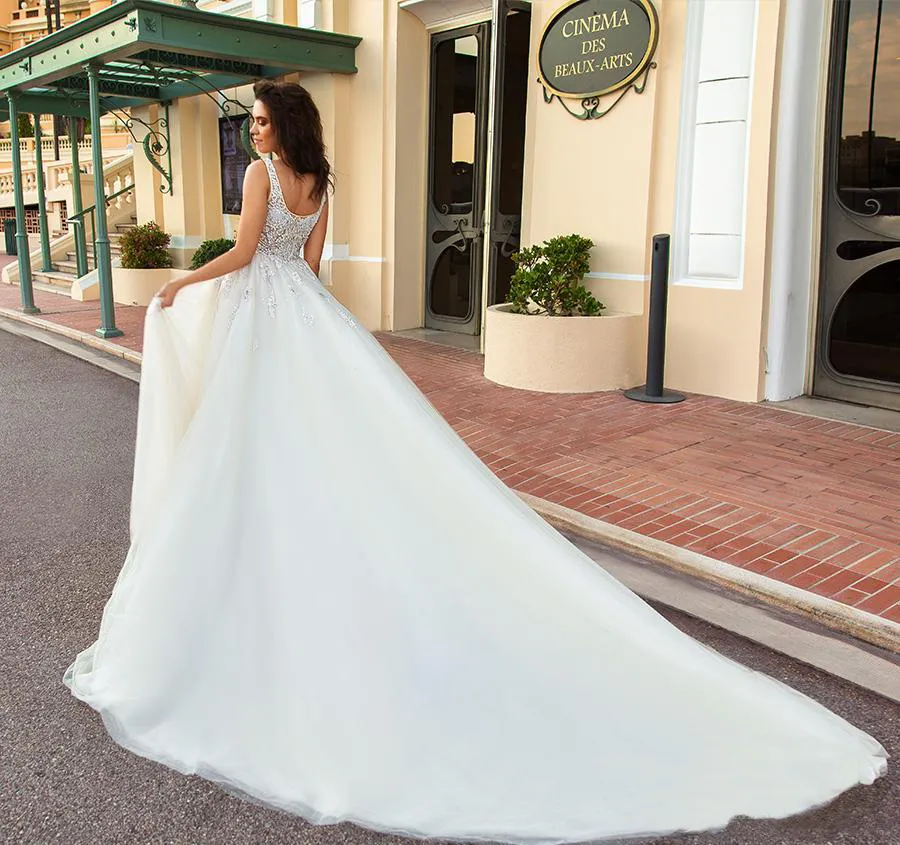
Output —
<point x="284" y="234"/>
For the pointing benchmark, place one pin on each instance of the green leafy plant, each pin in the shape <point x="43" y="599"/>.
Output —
<point x="548" y="279"/>
<point x="209" y="250"/>
<point x="145" y="247"/>
<point x="25" y="126"/>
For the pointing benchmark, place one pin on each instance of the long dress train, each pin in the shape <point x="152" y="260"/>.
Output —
<point x="331" y="606"/>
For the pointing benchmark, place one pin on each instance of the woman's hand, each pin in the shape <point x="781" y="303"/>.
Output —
<point x="167" y="293"/>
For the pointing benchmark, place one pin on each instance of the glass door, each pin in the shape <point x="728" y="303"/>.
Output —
<point x="456" y="184"/>
<point x="858" y="333"/>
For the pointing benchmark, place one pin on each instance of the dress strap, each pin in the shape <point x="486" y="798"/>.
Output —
<point x="273" y="179"/>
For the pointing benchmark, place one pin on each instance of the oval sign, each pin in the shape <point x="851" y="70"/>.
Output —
<point x="592" y="47"/>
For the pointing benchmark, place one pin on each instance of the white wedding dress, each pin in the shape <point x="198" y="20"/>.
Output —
<point x="332" y="607"/>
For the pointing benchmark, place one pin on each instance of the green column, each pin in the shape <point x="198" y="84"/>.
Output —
<point x="77" y="202"/>
<point x="101" y="235"/>
<point x="26" y="290"/>
<point x="46" y="263"/>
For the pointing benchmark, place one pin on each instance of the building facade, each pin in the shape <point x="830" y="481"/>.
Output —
<point x="763" y="138"/>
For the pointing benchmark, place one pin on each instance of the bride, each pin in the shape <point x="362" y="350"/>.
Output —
<point x="332" y="607"/>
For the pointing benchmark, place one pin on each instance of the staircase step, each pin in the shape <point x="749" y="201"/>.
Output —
<point x="71" y="258"/>
<point x="68" y="268"/>
<point x="51" y="276"/>
<point x="52" y="282"/>
<point x="114" y="248"/>
<point x="57" y="289"/>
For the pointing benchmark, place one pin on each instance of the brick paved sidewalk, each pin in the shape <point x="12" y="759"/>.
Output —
<point x="808" y="502"/>
<point x="83" y="316"/>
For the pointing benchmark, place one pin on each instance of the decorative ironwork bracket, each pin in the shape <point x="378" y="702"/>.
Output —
<point x="591" y="107"/>
<point x="156" y="143"/>
<point x="223" y="102"/>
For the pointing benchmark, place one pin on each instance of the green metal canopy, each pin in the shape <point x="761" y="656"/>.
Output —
<point x="135" y="53"/>
<point x="147" y="52"/>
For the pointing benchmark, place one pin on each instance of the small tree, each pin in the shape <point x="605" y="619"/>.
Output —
<point x="145" y="247"/>
<point x="26" y="127"/>
<point x="548" y="279"/>
<point x="209" y="250"/>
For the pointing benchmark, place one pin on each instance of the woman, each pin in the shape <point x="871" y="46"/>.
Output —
<point x="331" y="606"/>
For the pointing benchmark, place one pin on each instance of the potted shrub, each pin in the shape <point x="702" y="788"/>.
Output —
<point x="552" y="334"/>
<point x="548" y="279"/>
<point x="145" y="247"/>
<point x="145" y="264"/>
<point x="209" y="250"/>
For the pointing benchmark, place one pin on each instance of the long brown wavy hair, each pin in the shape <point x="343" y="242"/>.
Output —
<point x="298" y="130"/>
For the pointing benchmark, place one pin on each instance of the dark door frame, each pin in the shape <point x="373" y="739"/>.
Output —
<point x="456" y="228"/>
<point x="841" y="227"/>
<point x="504" y="230"/>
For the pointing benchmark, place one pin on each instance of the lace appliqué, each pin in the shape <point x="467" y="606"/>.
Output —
<point x="271" y="301"/>
<point x="285" y="233"/>
<point x="283" y="237"/>
<point x="245" y="297"/>
<point x="342" y="312"/>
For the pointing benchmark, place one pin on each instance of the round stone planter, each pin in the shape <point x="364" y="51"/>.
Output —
<point x="138" y="287"/>
<point x="562" y="354"/>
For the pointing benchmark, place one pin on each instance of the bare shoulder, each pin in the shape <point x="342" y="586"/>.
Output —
<point x="256" y="179"/>
<point x="257" y="171"/>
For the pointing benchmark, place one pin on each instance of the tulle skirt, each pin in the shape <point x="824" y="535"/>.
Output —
<point x="332" y="607"/>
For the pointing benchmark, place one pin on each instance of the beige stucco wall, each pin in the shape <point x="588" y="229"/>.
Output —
<point x="147" y="180"/>
<point x="612" y="179"/>
<point x="192" y="216"/>
<point x="591" y="177"/>
<point x="352" y="110"/>
<point x="716" y="336"/>
<point x="406" y="171"/>
<point x="374" y="125"/>
<point x="193" y="211"/>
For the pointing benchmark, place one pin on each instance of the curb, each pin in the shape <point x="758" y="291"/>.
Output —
<point x="85" y="338"/>
<point x="829" y="613"/>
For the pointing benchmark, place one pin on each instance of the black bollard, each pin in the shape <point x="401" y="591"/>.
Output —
<point x="653" y="390"/>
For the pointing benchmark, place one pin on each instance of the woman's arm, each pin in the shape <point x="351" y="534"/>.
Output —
<point x="312" y="252"/>
<point x="253" y="218"/>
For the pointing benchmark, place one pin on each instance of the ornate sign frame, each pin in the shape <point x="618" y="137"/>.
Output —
<point x="590" y="100"/>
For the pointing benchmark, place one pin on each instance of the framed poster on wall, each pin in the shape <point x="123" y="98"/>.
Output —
<point x="233" y="162"/>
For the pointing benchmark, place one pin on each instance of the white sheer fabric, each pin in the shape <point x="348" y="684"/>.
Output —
<point x="331" y="606"/>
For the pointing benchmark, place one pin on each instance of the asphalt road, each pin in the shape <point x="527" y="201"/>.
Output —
<point x="66" y="436"/>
